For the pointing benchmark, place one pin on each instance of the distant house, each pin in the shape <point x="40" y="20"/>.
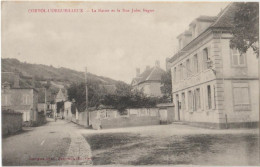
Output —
<point x="60" y="97"/>
<point x="22" y="100"/>
<point x="149" y="81"/>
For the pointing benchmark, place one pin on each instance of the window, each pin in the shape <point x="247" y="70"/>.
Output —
<point x="188" y="71"/>
<point x="181" y="71"/>
<point x="206" y="59"/>
<point x="180" y="44"/>
<point x="209" y="97"/>
<point x="190" y="100"/>
<point x="237" y="58"/>
<point x="26" y="99"/>
<point x="5" y="99"/>
<point x="195" y="64"/>
<point x="241" y="96"/>
<point x="177" y="100"/>
<point x="197" y="99"/>
<point x="174" y="74"/>
<point x="194" y="34"/>
<point x="183" y="104"/>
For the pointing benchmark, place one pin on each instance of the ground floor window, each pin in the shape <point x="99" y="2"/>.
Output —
<point x="197" y="99"/>
<point x="209" y="97"/>
<point x="183" y="104"/>
<point x="241" y="96"/>
<point x="190" y="101"/>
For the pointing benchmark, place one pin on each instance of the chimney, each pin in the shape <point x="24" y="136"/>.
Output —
<point x="16" y="80"/>
<point x="137" y="72"/>
<point x="147" y="68"/>
<point x="157" y="63"/>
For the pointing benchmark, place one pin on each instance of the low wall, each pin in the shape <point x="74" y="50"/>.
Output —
<point x="11" y="122"/>
<point x="110" y="118"/>
<point x="129" y="121"/>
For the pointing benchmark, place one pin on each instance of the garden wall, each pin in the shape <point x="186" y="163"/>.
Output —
<point x="11" y="122"/>
<point x="111" y="118"/>
<point x="108" y="118"/>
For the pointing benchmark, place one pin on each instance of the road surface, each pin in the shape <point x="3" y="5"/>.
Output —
<point x="56" y="143"/>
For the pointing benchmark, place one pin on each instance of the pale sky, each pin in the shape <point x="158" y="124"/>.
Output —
<point x="109" y="44"/>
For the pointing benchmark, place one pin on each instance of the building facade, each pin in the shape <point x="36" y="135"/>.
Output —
<point x="22" y="100"/>
<point x="212" y="84"/>
<point x="149" y="81"/>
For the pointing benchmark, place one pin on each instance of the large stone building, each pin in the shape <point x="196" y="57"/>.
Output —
<point x="149" y="81"/>
<point x="22" y="100"/>
<point x="212" y="84"/>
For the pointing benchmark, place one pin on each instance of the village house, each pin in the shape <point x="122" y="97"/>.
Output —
<point x="60" y="98"/>
<point x="149" y="81"/>
<point x="212" y="84"/>
<point x="22" y="100"/>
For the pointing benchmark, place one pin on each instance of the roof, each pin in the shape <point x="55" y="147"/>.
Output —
<point x="60" y="95"/>
<point x="224" y="19"/>
<point x="151" y="74"/>
<point x="204" y="19"/>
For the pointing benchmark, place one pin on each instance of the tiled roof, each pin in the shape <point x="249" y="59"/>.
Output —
<point x="152" y="74"/>
<point x="226" y="17"/>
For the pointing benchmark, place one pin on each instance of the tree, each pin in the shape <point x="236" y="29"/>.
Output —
<point x="77" y="91"/>
<point x="246" y="27"/>
<point x="166" y="81"/>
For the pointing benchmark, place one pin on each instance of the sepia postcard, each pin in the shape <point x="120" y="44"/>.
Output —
<point x="133" y="83"/>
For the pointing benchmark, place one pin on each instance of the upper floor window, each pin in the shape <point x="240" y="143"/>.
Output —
<point x="195" y="64"/>
<point x="188" y="70"/>
<point x="5" y="99"/>
<point x="237" y="58"/>
<point x="181" y="71"/>
<point x="206" y="59"/>
<point x="174" y="74"/>
<point x="26" y="99"/>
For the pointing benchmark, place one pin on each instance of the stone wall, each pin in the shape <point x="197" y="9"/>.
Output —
<point x="11" y="122"/>
<point x="110" y="118"/>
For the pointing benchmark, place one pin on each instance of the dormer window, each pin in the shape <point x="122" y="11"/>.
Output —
<point x="194" y="34"/>
<point x="180" y="44"/>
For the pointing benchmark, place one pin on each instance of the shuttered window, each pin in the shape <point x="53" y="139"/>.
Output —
<point x="241" y="96"/>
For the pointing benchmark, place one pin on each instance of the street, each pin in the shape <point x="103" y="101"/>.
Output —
<point x="56" y="143"/>
<point x="174" y="144"/>
<point x="64" y="143"/>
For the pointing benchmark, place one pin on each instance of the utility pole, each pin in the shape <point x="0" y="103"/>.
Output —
<point x="86" y="71"/>
<point x="45" y="102"/>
